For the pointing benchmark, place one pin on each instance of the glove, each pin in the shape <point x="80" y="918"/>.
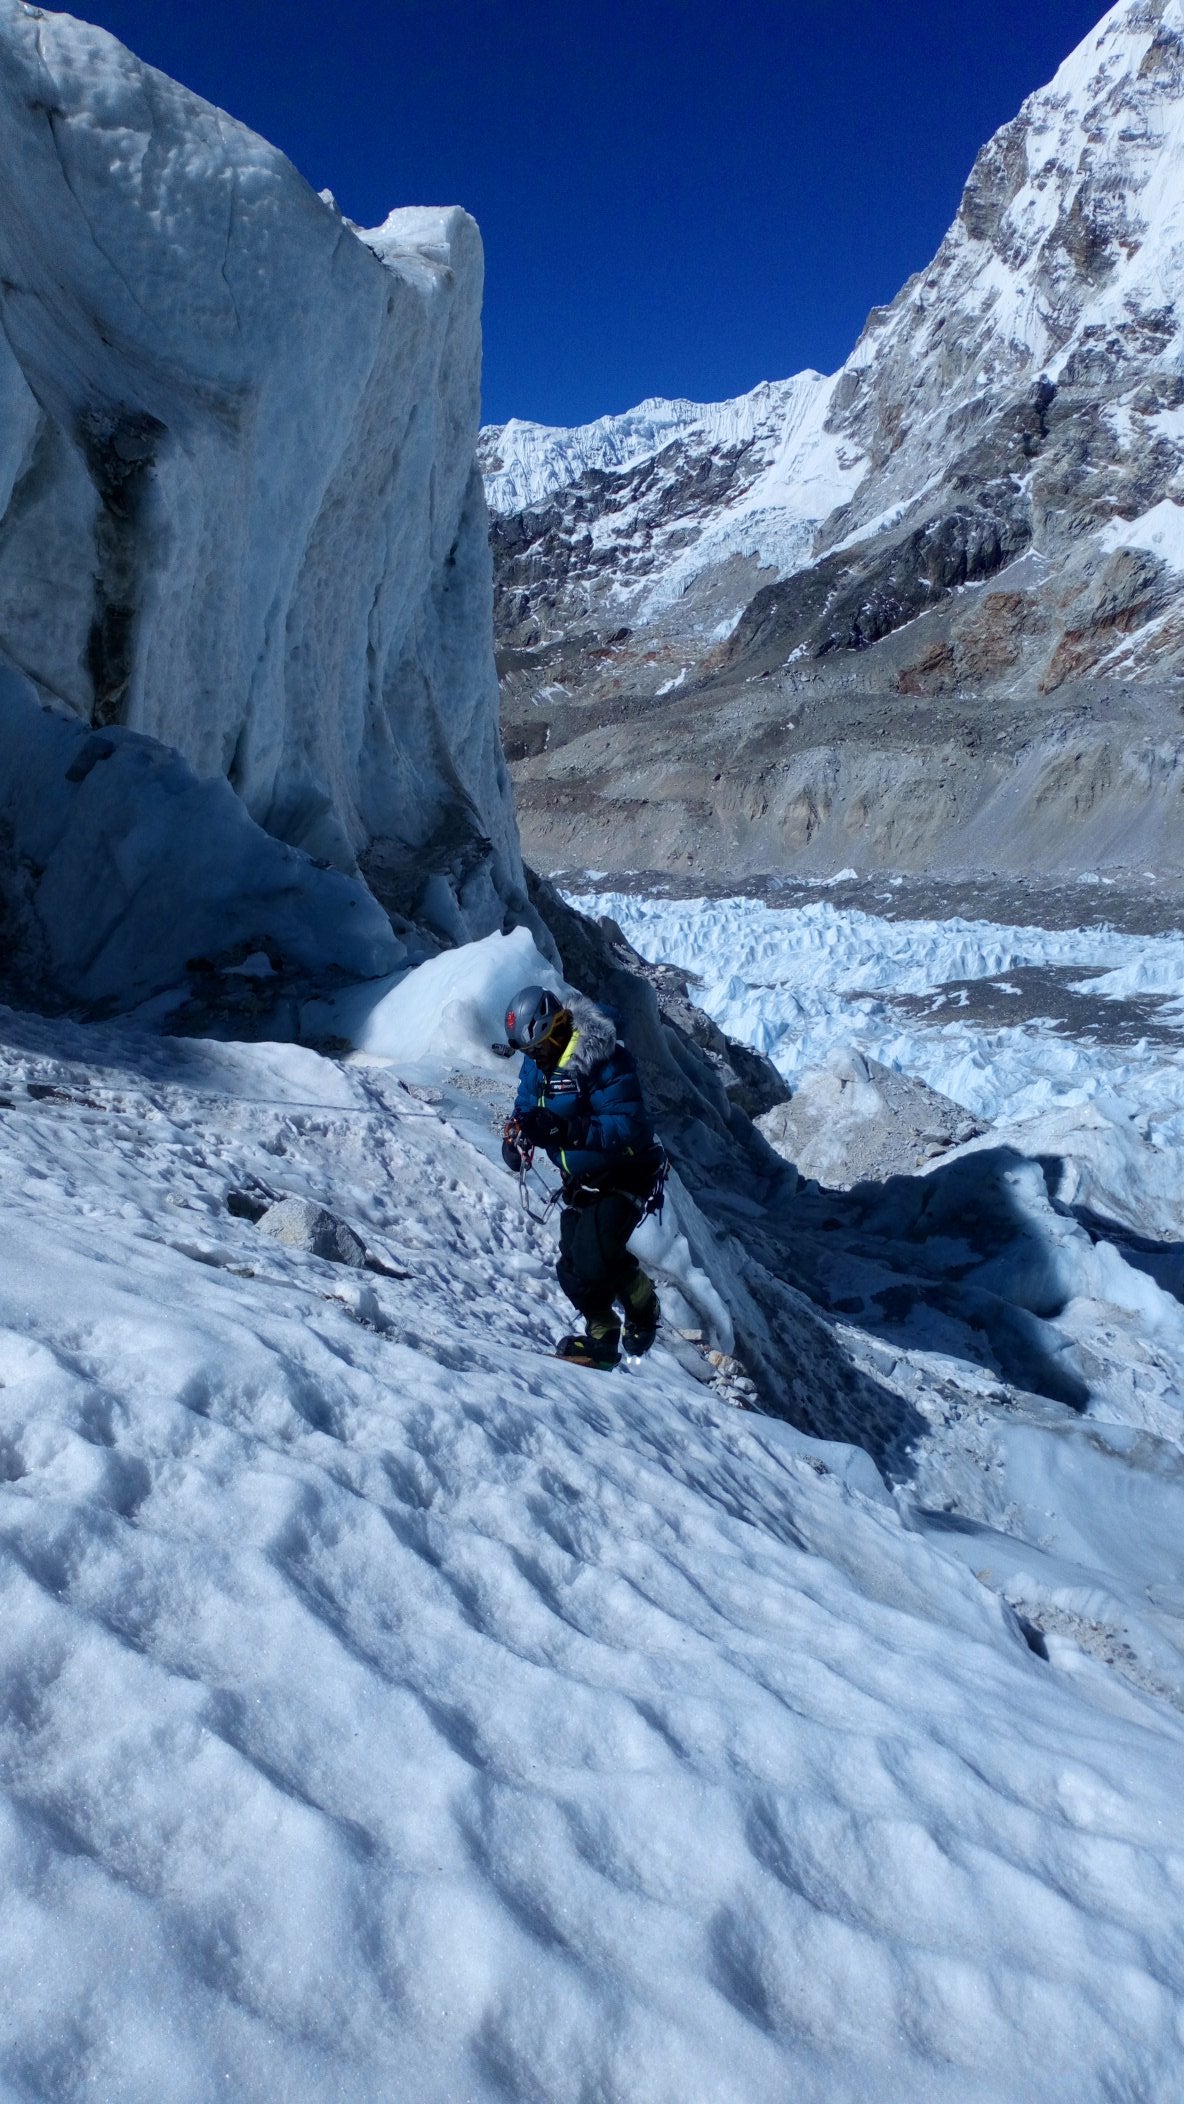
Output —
<point x="541" y="1127"/>
<point x="513" y="1154"/>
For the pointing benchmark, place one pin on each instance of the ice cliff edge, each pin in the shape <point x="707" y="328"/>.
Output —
<point x="239" y="511"/>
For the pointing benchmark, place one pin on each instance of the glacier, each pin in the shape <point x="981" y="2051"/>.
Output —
<point x="800" y="984"/>
<point x="387" y="1709"/>
<point x="239" y="510"/>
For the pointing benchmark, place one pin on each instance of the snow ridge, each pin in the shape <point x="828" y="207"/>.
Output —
<point x="526" y="463"/>
<point x="1064" y="270"/>
<point x="656" y="497"/>
<point x="1072" y="227"/>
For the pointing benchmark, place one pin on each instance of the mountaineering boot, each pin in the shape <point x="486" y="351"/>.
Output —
<point x="599" y="1347"/>
<point x="641" y="1317"/>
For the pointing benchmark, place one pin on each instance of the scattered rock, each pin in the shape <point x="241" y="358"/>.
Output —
<point x="300" y="1224"/>
<point x="859" y="1122"/>
<point x="730" y="1381"/>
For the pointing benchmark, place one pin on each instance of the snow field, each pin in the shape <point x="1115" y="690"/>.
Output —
<point x="388" y="1711"/>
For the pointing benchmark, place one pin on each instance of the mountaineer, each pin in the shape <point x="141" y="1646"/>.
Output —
<point x="579" y="1098"/>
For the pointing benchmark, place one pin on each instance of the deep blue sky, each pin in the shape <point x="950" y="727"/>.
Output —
<point x="677" y="197"/>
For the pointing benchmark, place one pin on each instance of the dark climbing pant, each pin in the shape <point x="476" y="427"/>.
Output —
<point x="595" y="1267"/>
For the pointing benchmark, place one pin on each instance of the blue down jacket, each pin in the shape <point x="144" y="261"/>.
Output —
<point x="595" y="1090"/>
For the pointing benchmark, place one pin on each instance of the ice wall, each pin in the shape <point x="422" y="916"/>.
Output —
<point x="238" y="504"/>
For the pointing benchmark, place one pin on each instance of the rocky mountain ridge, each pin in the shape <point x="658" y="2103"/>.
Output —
<point x="631" y="509"/>
<point x="938" y="615"/>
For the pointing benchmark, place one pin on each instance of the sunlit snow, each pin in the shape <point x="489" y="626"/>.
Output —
<point x="1160" y="531"/>
<point x="388" y="1711"/>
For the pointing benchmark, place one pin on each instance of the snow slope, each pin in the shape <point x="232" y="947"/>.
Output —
<point x="239" y="511"/>
<point x="388" y="1711"/>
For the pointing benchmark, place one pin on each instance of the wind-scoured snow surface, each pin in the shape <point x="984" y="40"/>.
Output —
<point x="387" y="1711"/>
<point x="239" y="506"/>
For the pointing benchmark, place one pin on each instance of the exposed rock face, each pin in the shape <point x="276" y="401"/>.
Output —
<point x="239" y="510"/>
<point x="966" y="644"/>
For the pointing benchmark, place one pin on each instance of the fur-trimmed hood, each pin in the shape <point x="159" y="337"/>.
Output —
<point x="595" y="1095"/>
<point x="596" y="1037"/>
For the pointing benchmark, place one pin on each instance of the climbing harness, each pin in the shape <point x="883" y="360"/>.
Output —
<point x="651" y="1202"/>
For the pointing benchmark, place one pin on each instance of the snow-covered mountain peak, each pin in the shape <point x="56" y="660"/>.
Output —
<point x="668" y="491"/>
<point x="1071" y="200"/>
<point x="1067" y="252"/>
<point x="1064" y="264"/>
<point x="525" y="463"/>
<point x="1022" y="397"/>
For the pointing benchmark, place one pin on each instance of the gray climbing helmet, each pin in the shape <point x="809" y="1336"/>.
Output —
<point x="531" y="1018"/>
